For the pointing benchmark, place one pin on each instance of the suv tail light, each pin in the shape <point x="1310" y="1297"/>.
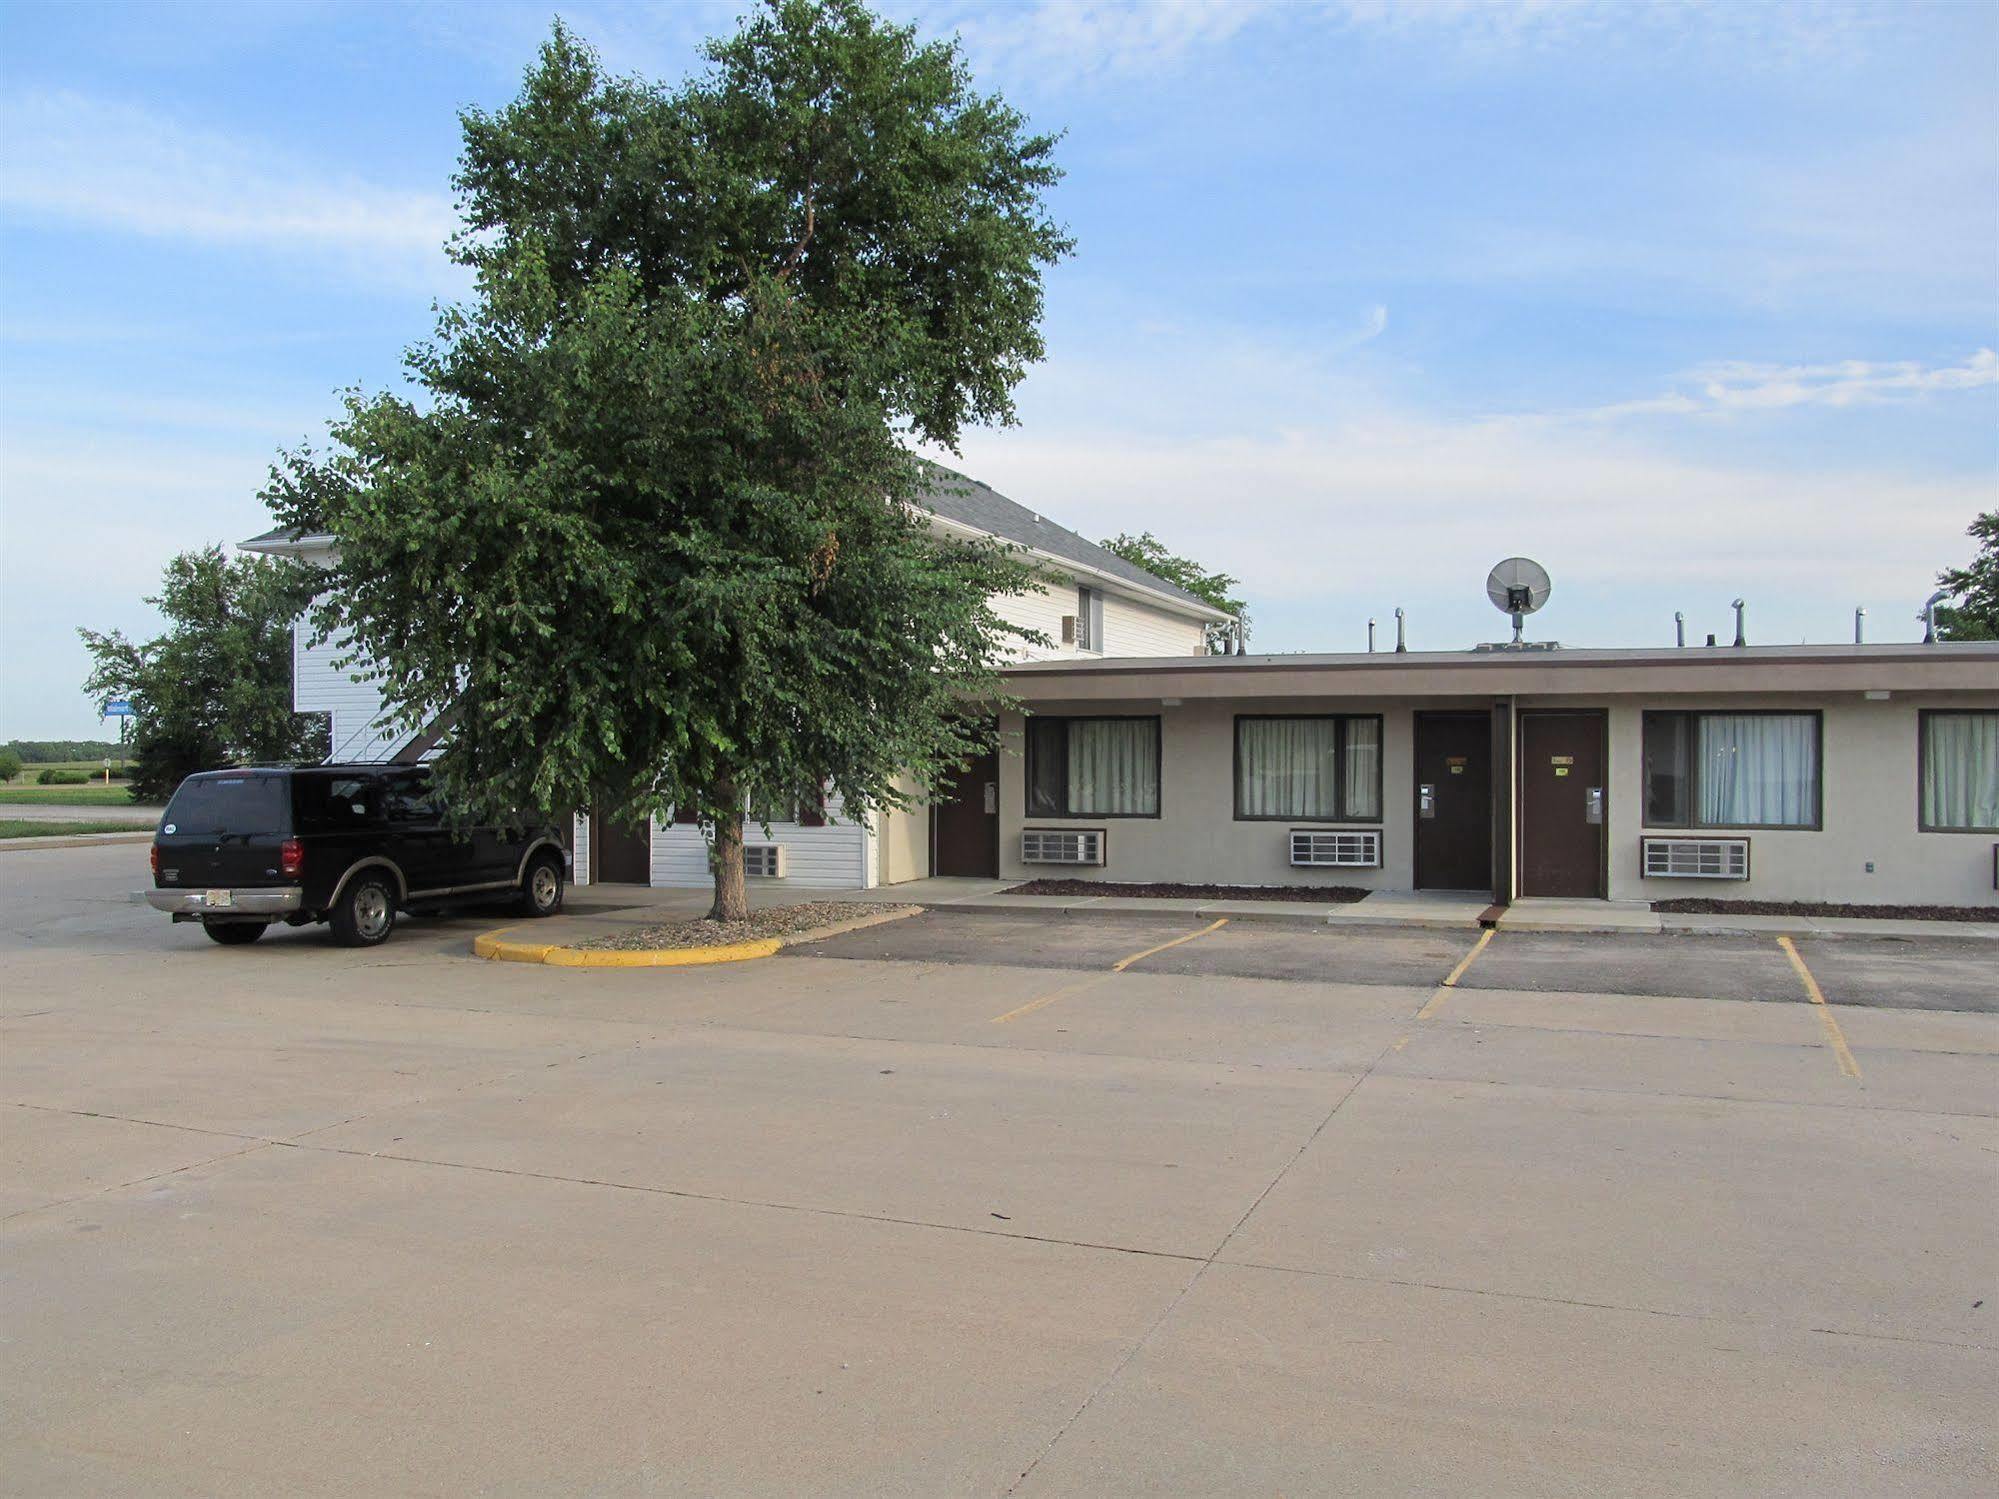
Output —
<point x="155" y="853"/>
<point x="291" y="857"/>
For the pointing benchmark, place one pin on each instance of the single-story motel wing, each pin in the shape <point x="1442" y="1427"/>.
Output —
<point x="1863" y="774"/>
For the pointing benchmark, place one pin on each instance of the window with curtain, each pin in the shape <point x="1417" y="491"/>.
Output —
<point x="1321" y="769"/>
<point x="1732" y="770"/>
<point x="1093" y="767"/>
<point x="1960" y="771"/>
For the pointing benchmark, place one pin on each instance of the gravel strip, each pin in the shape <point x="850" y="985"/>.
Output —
<point x="1697" y="905"/>
<point x="1335" y="895"/>
<point x="772" y="921"/>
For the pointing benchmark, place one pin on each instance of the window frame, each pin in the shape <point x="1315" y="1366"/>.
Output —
<point x="1028" y="812"/>
<point x="1693" y="824"/>
<point x="1923" y="717"/>
<point x="1346" y="818"/>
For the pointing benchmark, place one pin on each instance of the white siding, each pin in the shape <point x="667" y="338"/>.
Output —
<point x="1135" y="629"/>
<point x="834" y="857"/>
<point x="359" y="731"/>
<point x="1131" y="628"/>
<point x="579" y="871"/>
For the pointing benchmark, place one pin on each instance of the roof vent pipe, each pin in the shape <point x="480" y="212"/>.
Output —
<point x="1929" y="615"/>
<point x="1737" y="606"/>
<point x="1679" y="628"/>
<point x="1860" y="626"/>
<point x="1400" y="644"/>
<point x="1370" y="637"/>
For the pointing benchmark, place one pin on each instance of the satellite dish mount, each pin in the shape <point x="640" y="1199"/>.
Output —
<point x="1517" y="587"/>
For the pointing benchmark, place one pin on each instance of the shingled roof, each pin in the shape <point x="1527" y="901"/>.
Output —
<point x="952" y="496"/>
<point x="955" y="497"/>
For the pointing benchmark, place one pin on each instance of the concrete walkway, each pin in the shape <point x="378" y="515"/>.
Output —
<point x="1432" y="910"/>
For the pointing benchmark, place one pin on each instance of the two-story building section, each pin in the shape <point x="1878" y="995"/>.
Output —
<point x="1088" y="603"/>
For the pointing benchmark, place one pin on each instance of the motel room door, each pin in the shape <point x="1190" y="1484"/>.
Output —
<point x="964" y="825"/>
<point x="1562" y="802"/>
<point x="620" y="852"/>
<point x="1454" y="801"/>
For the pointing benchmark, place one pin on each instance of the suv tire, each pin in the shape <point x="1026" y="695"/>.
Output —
<point x="541" y="886"/>
<point x="233" y="933"/>
<point x="365" y="914"/>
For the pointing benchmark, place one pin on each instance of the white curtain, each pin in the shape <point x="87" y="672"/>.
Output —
<point x="1113" y="766"/>
<point x="1289" y="767"/>
<point x="1961" y="770"/>
<point x="1363" y="769"/>
<point x="1758" y="769"/>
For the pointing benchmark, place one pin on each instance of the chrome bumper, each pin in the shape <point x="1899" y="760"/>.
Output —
<point x="280" y="900"/>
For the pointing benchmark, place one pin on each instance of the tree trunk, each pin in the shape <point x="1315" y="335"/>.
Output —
<point x="732" y="897"/>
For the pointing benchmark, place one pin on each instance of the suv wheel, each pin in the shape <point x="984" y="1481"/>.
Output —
<point x="233" y="933"/>
<point x="541" y="889"/>
<point x="366" y="912"/>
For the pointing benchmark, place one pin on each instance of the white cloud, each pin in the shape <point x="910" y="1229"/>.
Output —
<point x="75" y="159"/>
<point x="1738" y="386"/>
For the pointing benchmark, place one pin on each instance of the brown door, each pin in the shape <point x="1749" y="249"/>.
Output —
<point x="1454" y="801"/>
<point x="621" y="852"/>
<point x="1561" y="803"/>
<point x="964" y="827"/>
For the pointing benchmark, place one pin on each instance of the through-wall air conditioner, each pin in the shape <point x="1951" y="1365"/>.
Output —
<point x="1062" y="846"/>
<point x="1327" y="848"/>
<point x="763" y="861"/>
<point x="1696" y="858"/>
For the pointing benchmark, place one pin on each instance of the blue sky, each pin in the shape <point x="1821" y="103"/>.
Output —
<point x="1688" y="301"/>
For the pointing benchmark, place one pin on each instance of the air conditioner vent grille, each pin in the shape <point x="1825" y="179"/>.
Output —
<point x="1325" y="848"/>
<point x="1696" y="858"/>
<point x="763" y="861"/>
<point x="1062" y="846"/>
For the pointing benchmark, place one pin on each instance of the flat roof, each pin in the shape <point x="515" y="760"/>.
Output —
<point x="1959" y="666"/>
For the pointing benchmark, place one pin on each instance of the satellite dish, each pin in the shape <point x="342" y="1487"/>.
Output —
<point x="1518" y="586"/>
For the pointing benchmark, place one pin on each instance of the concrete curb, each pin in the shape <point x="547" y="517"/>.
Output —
<point x="556" y="955"/>
<point x="74" y="840"/>
<point x="1328" y="913"/>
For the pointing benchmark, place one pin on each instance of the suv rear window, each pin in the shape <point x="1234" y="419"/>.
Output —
<point x="231" y="804"/>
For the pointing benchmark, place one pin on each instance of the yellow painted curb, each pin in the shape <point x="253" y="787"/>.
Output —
<point x="658" y="957"/>
<point x="555" y="956"/>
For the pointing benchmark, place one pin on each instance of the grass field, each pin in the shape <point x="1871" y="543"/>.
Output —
<point x="15" y="827"/>
<point x="26" y="793"/>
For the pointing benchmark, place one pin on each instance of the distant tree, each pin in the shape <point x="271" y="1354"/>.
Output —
<point x="216" y="688"/>
<point x="644" y="542"/>
<point x="1975" y="615"/>
<point x="1147" y="551"/>
<point x="10" y="765"/>
<point x="45" y="751"/>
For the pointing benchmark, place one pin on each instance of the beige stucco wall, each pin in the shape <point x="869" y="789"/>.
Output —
<point x="903" y="841"/>
<point x="1870" y="814"/>
<point x="1869" y="780"/>
<point x="1196" y="839"/>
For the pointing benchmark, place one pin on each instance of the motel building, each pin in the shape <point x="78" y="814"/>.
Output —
<point x="1861" y="774"/>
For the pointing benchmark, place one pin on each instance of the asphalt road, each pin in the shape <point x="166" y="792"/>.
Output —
<point x="961" y="1206"/>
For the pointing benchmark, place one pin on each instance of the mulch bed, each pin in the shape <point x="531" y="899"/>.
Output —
<point x="1332" y="895"/>
<point x="1694" y="905"/>
<point x="773" y="921"/>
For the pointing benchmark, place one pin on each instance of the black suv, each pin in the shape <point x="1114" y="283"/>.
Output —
<point x="346" y="844"/>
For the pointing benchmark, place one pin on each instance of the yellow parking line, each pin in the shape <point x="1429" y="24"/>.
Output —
<point x="1451" y="979"/>
<point x="1049" y="998"/>
<point x="1847" y="1066"/>
<point x="1123" y="963"/>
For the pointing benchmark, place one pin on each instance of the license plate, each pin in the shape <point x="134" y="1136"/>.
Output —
<point x="216" y="898"/>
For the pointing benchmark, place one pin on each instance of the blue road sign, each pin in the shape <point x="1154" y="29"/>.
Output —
<point x="118" y="707"/>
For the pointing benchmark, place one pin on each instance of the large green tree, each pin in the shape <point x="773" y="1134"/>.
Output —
<point x="1975" y="615"/>
<point x="1218" y="588"/>
<point x="646" y="540"/>
<point x="216" y="688"/>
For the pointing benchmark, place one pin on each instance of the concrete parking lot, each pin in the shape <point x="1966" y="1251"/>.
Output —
<point x="979" y="1204"/>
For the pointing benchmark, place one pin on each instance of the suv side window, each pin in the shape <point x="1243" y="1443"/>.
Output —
<point x="411" y="800"/>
